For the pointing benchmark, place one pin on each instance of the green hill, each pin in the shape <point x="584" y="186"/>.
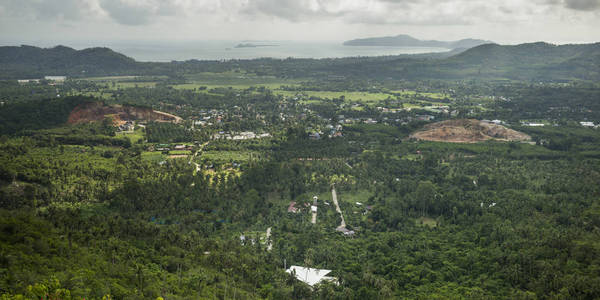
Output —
<point x="533" y="61"/>
<point x="35" y="62"/>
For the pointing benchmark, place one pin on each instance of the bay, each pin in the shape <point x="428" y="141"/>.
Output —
<point x="224" y="50"/>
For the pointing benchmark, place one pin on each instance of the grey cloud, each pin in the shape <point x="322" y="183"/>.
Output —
<point x="505" y="10"/>
<point x="586" y="5"/>
<point x="581" y="5"/>
<point x="128" y="13"/>
<point x="46" y="9"/>
<point x="396" y="12"/>
<point x="138" y="12"/>
<point x="291" y="10"/>
<point x="401" y="1"/>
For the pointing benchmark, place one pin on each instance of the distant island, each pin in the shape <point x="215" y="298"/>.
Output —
<point x="404" y="40"/>
<point x="251" y="45"/>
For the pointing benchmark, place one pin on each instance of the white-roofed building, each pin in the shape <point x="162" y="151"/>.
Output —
<point x="55" y="78"/>
<point x="310" y="276"/>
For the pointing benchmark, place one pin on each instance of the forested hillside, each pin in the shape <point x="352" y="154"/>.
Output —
<point x="33" y="62"/>
<point x="37" y="114"/>
<point x="218" y="204"/>
<point x="534" y="61"/>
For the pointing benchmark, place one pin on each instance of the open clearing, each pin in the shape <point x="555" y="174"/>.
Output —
<point x="416" y="94"/>
<point x="467" y="131"/>
<point x="350" y="96"/>
<point x="133" y="136"/>
<point x="227" y="155"/>
<point x="237" y="80"/>
<point x="425" y="221"/>
<point x="153" y="156"/>
<point x="238" y="86"/>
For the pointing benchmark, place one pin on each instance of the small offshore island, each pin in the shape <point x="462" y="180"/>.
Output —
<point x="251" y="45"/>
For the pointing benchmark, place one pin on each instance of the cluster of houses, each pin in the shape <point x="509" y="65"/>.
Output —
<point x="332" y="132"/>
<point x="209" y="117"/>
<point x="438" y="109"/>
<point x="345" y="231"/>
<point x="245" y="135"/>
<point x="52" y="79"/>
<point x="169" y="147"/>
<point x="497" y="122"/>
<point x="582" y="123"/>
<point x="292" y="208"/>
<point x="127" y="126"/>
<point x="406" y="120"/>
<point x="589" y="124"/>
<point x="532" y="124"/>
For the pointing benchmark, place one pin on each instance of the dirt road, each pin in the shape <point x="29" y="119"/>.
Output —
<point x="337" y="208"/>
<point x="269" y="243"/>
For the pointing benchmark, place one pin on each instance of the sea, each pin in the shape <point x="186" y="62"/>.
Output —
<point x="161" y="51"/>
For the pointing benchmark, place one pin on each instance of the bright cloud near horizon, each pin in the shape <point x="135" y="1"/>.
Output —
<point x="508" y="21"/>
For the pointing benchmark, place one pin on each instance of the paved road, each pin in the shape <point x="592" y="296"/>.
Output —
<point x="337" y="207"/>
<point x="314" y="217"/>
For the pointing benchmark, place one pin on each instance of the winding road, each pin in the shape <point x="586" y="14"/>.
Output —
<point x="196" y="154"/>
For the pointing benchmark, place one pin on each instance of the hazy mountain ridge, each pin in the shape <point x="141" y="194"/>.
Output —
<point x="530" y="53"/>
<point x="532" y="61"/>
<point x="404" y="40"/>
<point x="529" y="61"/>
<point x="30" y="61"/>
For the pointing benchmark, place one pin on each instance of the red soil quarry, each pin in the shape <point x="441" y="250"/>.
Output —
<point x="95" y="111"/>
<point x="467" y="131"/>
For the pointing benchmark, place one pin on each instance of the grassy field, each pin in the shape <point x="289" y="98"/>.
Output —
<point x="153" y="156"/>
<point x="237" y="80"/>
<point x="121" y="78"/>
<point x="350" y="96"/>
<point x="215" y="175"/>
<point x="180" y="152"/>
<point x="238" y="86"/>
<point x="226" y="156"/>
<point x="350" y="198"/>
<point x="407" y="94"/>
<point x="144" y="84"/>
<point x="410" y="105"/>
<point x="425" y="221"/>
<point x="133" y="136"/>
<point x="110" y="78"/>
<point x="100" y="95"/>
<point x="412" y="157"/>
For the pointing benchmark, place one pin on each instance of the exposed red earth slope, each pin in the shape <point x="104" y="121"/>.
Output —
<point x="96" y="111"/>
<point x="467" y="131"/>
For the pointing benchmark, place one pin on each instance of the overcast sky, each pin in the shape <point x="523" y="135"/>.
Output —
<point x="90" y="21"/>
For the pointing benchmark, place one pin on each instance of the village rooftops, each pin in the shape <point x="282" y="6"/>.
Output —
<point x="28" y="80"/>
<point x="292" y="208"/>
<point x="345" y="231"/>
<point x="310" y="276"/>
<point x="533" y="124"/>
<point x="55" y="78"/>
